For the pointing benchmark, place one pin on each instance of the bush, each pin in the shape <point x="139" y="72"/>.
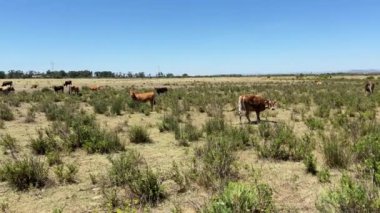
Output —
<point x="21" y="174"/>
<point x="311" y="164"/>
<point x="53" y="158"/>
<point x="350" y="196"/>
<point x="42" y="145"/>
<point x="238" y="197"/>
<point x="128" y="169"/>
<point x="187" y="133"/>
<point x="169" y="123"/>
<point x="336" y="151"/>
<point x="217" y="162"/>
<point x="138" y="134"/>
<point x="100" y="106"/>
<point x="214" y="125"/>
<point x="324" y="175"/>
<point x="31" y="115"/>
<point x="66" y="175"/>
<point x="314" y="123"/>
<point x="118" y="105"/>
<point x="9" y="144"/>
<point x="282" y="144"/>
<point x="6" y="113"/>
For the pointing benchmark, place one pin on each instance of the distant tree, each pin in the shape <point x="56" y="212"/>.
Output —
<point x="130" y="74"/>
<point x="15" y="74"/>
<point x="140" y="75"/>
<point x="160" y="75"/>
<point x="2" y="74"/>
<point x="185" y="75"/>
<point x="169" y="75"/>
<point x="105" y="74"/>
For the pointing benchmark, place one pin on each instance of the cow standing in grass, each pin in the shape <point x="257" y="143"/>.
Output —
<point x="144" y="97"/>
<point x="7" y="90"/>
<point x="67" y="83"/>
<point x="369" y="87"/>
<point x="249" y="103"/>
<point x="34" y="86"/>
<point x="74" y="89"/>
<point x="7" y="83"/>
<point x="58" y="88"/>
<point x="160" y="90"/>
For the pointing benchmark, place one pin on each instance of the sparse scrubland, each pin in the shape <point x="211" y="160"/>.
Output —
<point x="101" y="151"/>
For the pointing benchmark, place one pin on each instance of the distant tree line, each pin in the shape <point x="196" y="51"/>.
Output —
<point x="82" y="74"/>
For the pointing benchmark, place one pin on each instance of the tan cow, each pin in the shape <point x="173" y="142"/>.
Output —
<point x="369" y="87"/>
<point x="144" y="97"/>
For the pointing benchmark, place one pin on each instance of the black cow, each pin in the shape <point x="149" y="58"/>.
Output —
<point x="160" y="90"/>
<point x="7" y="83"/>
<point x="67" y="83"/>
<point x="369" y="87"/>
<point x="58" y="88"/>
<point x="7" y="90"/>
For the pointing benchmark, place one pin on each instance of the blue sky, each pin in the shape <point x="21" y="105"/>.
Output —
<point x="190" y="36"/>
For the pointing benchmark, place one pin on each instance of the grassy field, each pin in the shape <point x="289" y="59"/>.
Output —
<point x="100" y="151"/>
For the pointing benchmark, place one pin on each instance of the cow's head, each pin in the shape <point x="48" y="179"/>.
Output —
<point x="132" y="94"/>
<point x="270" y="104"/>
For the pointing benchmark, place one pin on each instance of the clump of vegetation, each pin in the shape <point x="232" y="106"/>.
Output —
<point x="44" y="144"/>
<point x="282" y="144"/>
<point x="129" y="170"/>
<point x="9" y="144"/>
<point x="238" y="197"/>
<point x="217" y="158"/>
<point x="21" y="174"/>
<point x="324" y="175"/>
<point x="118" y="105"/>
<point x="214" y="125"/>
<point x="336" y="151"/>
<point x="138" y="134"/>
<point x="66" y="173"/>
<point x="314" y="123"/>
<point x="31" y="115"/>
<point x="53" y="158"/>
<point x="100" y="106"/>
<point x="350" y="196"/>
<point x="169" y="123"/>
<point x="311" y="164"/>
<point x="187" y="133"/>
<point x="6" y="113"/>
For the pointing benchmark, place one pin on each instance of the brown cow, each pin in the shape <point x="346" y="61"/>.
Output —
<point x="34" y="86"/>
<point x="7" y="83"/>
<point x="369" y="87"/>
<point x="67" y="83"/>
<point x="95" y="88"/>
<point x="74" y="89"/>
<point x="144" y="97"/>
<point x="255" y="103"/>
<point x="58" y="88"/>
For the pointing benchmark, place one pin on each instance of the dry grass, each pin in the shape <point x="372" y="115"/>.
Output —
<point x="293" y="188"/>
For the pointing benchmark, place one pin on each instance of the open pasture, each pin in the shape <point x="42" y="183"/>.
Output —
<point x="101" y="151"/>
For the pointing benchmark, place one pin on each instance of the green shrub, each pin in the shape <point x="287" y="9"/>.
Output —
<point x="169" y="123"/>
<point x="218" y="160"/>
<point x="31" y="115"/>
<point x="187" y="133"/>
<point x="100" y="106"/>
<point x="238" y="197"/>
<point x="118" y="105"/>
<point x="44" y="144"/>
<point x="128" y="169"/>
<point x="350" y="196"/>
<point x="336" y="151"/>
<point x="214" y="125"/>
<point x="311" y="164"/>
<point x="6" y="113"/>
<point x="9" y="144"/>
<point x="53" y="158"/>
<point x="138" y="134"/>
<point x="282" y="144"/>
<point x="315" y="123"/>
<point x="324" y="175"/>
<point x="66" y="174"/>
<point x="21" y="174"/>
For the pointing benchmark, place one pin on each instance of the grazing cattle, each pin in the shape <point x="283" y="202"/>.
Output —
<point x="74" y="89"/>
<point x="67" y="83"/>
<point x="34" y="86"/>
<point x="255" y="103"/>
<point x="369" y="87"/>
<point x="144" y="97"/>
<point x="58" y="88"/>
<point x="95" y="87"/>
<point x="7" y="90"/>
<point x="7" y="83"/>
<point x="318" y="82"/>
<point x="160" y="90"/>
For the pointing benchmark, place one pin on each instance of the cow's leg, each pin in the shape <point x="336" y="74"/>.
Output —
<point x="247" y="115"/>
<point x="258" y="116"/>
